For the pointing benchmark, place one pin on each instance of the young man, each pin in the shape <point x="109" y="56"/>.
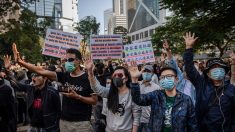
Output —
<point x="146" y="86"/>
<point x="77" y="104"/>
<point x="171" y="110"/>
<point x="215" y="97"/>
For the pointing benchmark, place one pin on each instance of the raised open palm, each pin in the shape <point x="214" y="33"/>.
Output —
<point x="189" y="39"/>
<point x="7" y="61"/>
<point x="133" y="70"/>
<point x="88" y="63"/>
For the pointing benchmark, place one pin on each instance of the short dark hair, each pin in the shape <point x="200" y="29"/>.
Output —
<point x="168" y="68"/>
<point x="76" y="52"/>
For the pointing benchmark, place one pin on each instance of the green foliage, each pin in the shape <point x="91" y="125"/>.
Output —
<point x="86" y="27"/>
<point x="123" y="31"/>
<point x="25" y="34"/>
<point x="210" y="20"/>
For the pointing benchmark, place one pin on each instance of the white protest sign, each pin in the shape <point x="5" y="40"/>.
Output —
<point x="57" y="42"/>
<point x="140" y="52"/>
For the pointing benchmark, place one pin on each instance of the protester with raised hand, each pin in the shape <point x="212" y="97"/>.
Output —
<point x="183" y="85"/>
<point x="171" y="110"/>
<point x="146" y="86"/>
<point x="77" y="103"/>
<point x="7" y="107"/>
<point x="123" y="114"/>
<point x="215" y="99"/>
<point x="43" y="102"/>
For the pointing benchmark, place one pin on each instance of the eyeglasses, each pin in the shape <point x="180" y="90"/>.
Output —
<point x="169" y="76"/>
<point x="147" y="71"/>
<point x="70" y="59"/>
<point x="120" y="75"/>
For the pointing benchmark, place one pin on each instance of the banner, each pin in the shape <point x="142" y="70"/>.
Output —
<point x="57" y="42"/>
<point x="139" y="52"/>
<point x="104" y="46"/>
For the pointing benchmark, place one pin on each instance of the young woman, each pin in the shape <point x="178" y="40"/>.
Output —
<point x="123" y="114"/>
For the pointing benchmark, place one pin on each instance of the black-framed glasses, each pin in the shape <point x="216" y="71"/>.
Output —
<point x="146" y="70"/>
<point x="169" y="76"/>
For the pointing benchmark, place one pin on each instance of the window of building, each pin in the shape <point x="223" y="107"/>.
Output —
<point x="121" y="7"/>
<point x="141" y="35"/>
<point x="137" y="36"/>
<point x="133" y="37"/>
<point x="151" y="32"/>
<point x="146" y="33"/>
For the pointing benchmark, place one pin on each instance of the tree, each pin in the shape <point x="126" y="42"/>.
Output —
<point x="25" y="34"/>
<point x="123" y="31"/>
<point x="86" y="27"/>
<point x="210" y="20"/>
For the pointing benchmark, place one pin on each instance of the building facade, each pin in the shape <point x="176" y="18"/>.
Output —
<point x="143" y="17"/>
<point x="108" y="20"/>
<point x="63" y="12"/>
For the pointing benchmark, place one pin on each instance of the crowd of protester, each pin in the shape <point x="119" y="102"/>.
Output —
<point x="168" y="96"/>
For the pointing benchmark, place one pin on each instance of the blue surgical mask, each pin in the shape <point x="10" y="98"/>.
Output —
<point x="147" y="76"/>
<point x="217" y="73"/>
<point x="108" y="85"/>
<point x="167" y="83"/>
<point x="69" y="66"/>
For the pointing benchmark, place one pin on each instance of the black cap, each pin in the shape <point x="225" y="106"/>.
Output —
<point x="215" y="61"/>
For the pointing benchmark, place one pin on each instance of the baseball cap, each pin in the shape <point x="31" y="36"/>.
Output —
<point x="148" y="67"/>
<point x="210" y="63"/>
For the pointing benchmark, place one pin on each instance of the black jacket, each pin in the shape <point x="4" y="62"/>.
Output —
<point x="51" y="105"/>
<point x="7" y="110"/>
<point x="213" y="113"/>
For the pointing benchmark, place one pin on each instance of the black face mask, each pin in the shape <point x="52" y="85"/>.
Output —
<point x="1" y="80"/>
<point x="118" y="82"/>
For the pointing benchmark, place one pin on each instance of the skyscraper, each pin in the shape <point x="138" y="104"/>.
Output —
<point x="107" y="20"/>
<point x="143" y="17"/>
<point x="119" y="13"/>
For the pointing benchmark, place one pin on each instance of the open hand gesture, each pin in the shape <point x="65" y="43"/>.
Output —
<point x="166" y="45"/>
<point x="16" y="53"/>
<point x="88" y="63"/>
<point x="7" y="61"/>
<point x="133" y="69"/>
<point x="189" y="39"/>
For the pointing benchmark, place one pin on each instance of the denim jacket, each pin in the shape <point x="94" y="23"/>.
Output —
<point x="183" y="113"/>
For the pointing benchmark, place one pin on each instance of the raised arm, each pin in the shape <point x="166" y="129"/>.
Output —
<point x="191" y="71"/>
<point x="49" y="74"/>
<point x="139" y="99"/>
<point x="233" y="69"/>
<point x="95" y="84"/>
<point x="171" y="61"/>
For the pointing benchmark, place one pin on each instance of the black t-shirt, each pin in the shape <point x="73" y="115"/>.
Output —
<point x="72" y="109"/>
<point x="35" y="111"/>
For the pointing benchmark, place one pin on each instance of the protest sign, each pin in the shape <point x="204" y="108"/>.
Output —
<point x="57" y="42"/>
<point x="139" y="52"/>
<point x="106" y="46"/>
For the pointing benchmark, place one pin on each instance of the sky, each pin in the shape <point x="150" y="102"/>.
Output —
<point x="94" y="8"/>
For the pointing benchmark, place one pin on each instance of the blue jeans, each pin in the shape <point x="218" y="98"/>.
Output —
<point x="143" y="127"/>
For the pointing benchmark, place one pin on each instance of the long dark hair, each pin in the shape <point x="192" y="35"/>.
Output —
<point x="113" y="99"/>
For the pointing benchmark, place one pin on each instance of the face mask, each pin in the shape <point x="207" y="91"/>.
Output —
<point x="69" y="66"/>
<point x="217" y="73"/>
<point x="114" y="67"/>
<point x="147" y="76"/>
<point x="118" y="82"/>
<point x="167" y="84"/>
